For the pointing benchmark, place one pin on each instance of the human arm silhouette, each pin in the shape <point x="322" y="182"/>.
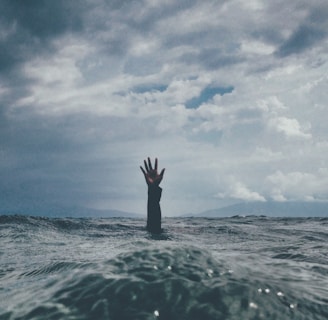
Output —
<point x="153" y="179"/>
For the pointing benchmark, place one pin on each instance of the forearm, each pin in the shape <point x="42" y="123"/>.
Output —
<point x="154" y="209"/>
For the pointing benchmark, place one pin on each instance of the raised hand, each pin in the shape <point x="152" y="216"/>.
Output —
<point x="151" y="175"/>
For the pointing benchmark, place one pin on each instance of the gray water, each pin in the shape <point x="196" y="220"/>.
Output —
<point x="229" y="268"/>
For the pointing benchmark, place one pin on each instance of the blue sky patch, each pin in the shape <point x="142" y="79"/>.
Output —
<point x="150" y="88"/>
<point x="207" y="94"/>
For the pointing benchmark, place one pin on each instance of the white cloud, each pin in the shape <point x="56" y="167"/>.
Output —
<point x="299" y="185"/>
<point x="239" y="191"/>
<point x="289" y="127"/>
<point x="276" y="195"/>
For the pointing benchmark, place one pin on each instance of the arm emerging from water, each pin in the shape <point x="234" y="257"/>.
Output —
<point x="153" y="179"/>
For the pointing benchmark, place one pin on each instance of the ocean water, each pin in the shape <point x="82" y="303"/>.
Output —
<point x="198" y="268"/>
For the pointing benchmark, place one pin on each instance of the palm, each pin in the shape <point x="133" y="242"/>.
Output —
<point x="151" y="175"/>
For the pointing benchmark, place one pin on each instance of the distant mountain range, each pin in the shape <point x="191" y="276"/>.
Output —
<point x="270" y="208"/>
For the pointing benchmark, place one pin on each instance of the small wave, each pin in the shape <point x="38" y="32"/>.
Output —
<point x="72" y="224"/>
<point x="291" y="256"/>
<point x="55" y="267"/>
<point x="321" y="270"/>
<point x="22" y="219"/>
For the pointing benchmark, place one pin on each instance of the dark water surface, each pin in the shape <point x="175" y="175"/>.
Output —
<point x="230" y="268"/>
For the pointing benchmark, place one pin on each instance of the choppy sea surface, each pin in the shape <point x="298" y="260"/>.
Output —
<point x="198" y="268"/>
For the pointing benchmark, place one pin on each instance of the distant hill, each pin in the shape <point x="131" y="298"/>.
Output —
<point x="62" y="211"/>
<point x="271" y="208"/>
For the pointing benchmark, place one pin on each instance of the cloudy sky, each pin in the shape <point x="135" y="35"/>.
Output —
<point x="231" y="96"/>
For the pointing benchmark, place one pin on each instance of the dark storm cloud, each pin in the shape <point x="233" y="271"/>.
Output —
<point x="49" y="159"/>
<point x="212" y="58"/>
<point x="27" y="27"/>
<point x="30" y="149"/>
<point x="143" y="17"/>
<point x="120" y="23"/>
<point x="307" y="35"/>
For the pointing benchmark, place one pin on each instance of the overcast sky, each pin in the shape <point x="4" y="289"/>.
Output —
<point x="231" y="96"/>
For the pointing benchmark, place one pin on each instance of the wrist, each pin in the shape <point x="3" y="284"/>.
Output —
<point x="154" y="192"/>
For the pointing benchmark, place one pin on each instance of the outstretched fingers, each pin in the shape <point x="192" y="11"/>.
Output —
<point x="149" y="164"/>
<point x="149" y="167"/>
<point x="162" y="172"/>
<point x="146" y="166"/>
<point x="143" y="171"/>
